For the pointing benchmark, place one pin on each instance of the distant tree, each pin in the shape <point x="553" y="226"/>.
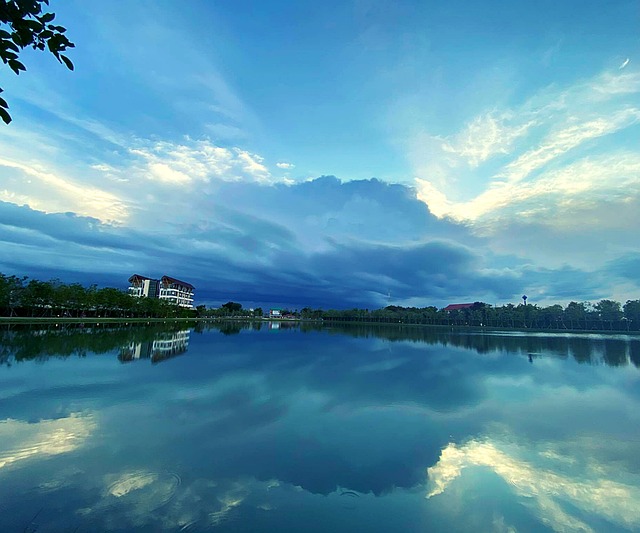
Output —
<point x="258" y="312"/>
<point x="608" y="310"/>
<point x="11" y="291"/>
<point x="23" y="24"/>
<point x="309" y="313"/>
<point x="38" y="295"/>
<point x="552" y="315"/>
<point x="576" y="311"/>
<point x="632" y="310"/>
<point x="232" y="307"/>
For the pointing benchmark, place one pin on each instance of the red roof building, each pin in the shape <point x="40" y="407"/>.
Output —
<point x="457" y="307"/>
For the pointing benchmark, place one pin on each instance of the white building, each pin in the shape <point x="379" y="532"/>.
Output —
<point x="143" y="286"/>
<point x="176" y="291"/>
<point x="166" y="288"/>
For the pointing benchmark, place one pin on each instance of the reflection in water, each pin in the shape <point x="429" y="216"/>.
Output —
<point x="159" y="342"/>
<point x="612" y="350"/>
<point x="305" y="428"/>
<point x="230" y="499"/>
<point x="164" y="346"/>
<point x="554" y="485"/>
<point x="21" y="440"/>
<point x="20" y="343"/>
<point x="135" y="495"/>
<point x="145" y="490"/>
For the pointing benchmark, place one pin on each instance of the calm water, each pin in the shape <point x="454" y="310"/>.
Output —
<point x="362" y="429"/>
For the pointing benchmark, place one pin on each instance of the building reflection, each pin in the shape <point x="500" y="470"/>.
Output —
<point x="165" y="346"/>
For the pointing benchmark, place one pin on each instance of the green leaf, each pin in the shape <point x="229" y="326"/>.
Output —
<point x="6" y="118"/>
<point x="9" y="45"/>
<point x="3" y="103"/>
<point x="26" y="37"/>
<point x="67" y="62"/>
<point x="33" y="25"/>
<point x="16" y="37"/>
<point x="47" y="17"/>
<point x="16" y="66"/>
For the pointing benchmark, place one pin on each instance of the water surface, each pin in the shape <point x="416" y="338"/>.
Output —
<point x="251" y="428"/>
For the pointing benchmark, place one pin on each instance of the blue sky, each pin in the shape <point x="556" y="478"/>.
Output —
<point x="337" y="154"/>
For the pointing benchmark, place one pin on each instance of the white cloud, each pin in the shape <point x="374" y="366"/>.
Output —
<point x="556" y="192"/>
<point x="285" y="166"/>
<point x="103" y="168"/>
<point x="485" y="136"/>
<point x="456" y="181"/>
<point x="110" y="186"/>
<point x="252" y="164"/>
<point x="195" y="161"/>
<point x="163" y="172"/>
<point x="564" y="139"/>
<point x="55" y="193"/>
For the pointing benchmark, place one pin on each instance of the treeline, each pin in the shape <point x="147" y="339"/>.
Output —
<point x="607" y="315"/>
<point x="26" y="297"/>
<point x="228" y="310"/>
<point x="33" y="298"/>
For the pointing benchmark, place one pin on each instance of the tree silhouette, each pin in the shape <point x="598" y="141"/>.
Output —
<point x="23" y="24"/>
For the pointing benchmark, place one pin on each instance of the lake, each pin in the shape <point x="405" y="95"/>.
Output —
<point x="240" y="427"/>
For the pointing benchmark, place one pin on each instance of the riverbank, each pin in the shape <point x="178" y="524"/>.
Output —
<point x="481" y="329"/>
<point x="326" y="323"/>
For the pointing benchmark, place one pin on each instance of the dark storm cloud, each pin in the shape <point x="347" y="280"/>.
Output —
<point x="35" y="227"/>
<point x="318" y="243"/>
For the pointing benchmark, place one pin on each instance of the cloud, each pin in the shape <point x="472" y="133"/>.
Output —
<point x="558" y="192"/>
<point x="115" y="188"/>
<point x="320" y="243"/>
<point x="216" y="215"/>
<point x="196" y="161"/>
<point x="285" y="166"/>
<point x="542" y="180"/>
<point x="567" y="128"/>
<point x="486" y="136"/>
<point x="624" y="64"/>
<point x="68" y="195"/>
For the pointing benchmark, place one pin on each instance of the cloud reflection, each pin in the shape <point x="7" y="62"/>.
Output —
<point x="21" y="440"/>
<point x="558" y="489"/>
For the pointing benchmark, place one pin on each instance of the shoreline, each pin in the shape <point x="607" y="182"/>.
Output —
<point x="325" y="322"/>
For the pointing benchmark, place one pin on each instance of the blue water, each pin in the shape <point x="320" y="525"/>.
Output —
<point x="236" y="428"/>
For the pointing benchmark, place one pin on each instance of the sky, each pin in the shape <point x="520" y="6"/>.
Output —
<point x="335" y="154"/>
